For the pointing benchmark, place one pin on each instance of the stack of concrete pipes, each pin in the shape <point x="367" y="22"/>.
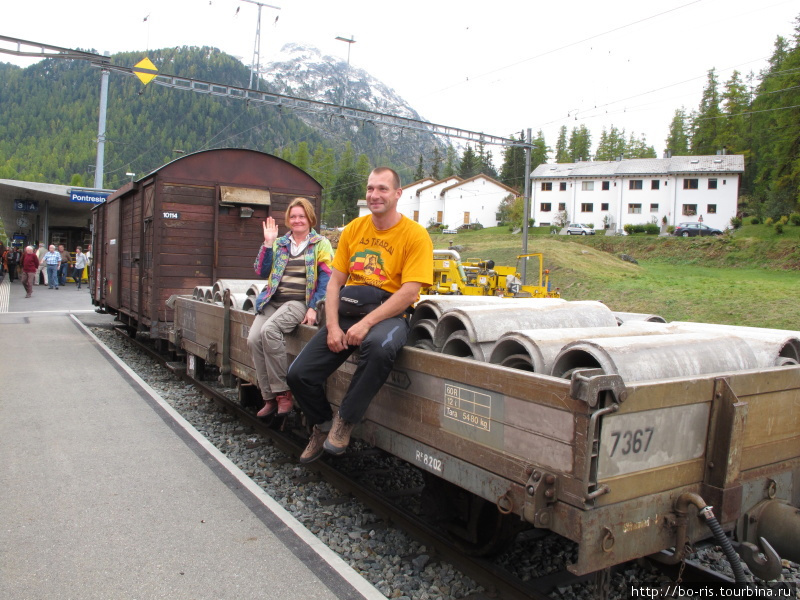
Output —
<point x="243" y="292"/>
<point x="552" y="336"/>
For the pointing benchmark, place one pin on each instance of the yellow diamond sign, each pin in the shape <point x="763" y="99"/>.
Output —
<point x="141" y="70"/>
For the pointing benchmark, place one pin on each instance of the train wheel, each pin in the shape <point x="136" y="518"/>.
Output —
<point x="474" y="525"/>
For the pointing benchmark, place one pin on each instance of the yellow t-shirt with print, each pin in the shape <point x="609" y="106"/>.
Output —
<point x="387" y="258"/>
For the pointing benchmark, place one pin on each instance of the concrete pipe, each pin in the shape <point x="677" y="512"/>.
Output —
<point x="433" y="306"/>
<point x="236" y="286"/>
<point x="459" y="344"/>
<point x="209" y="296"/>
<point x="772" y="347"/>
<point x="249" y="305"/>
<point x="488" y="323"/>
<point x="665" y="356"/>
<point x="200" y="292"/>
<point x="217" y="297"/>
<point x="238" y="300"/>
<point x="536" y="349"/>
<point x="626" y="317"/>
<point x="255" y="289"/>
<point x="421" y="334"/>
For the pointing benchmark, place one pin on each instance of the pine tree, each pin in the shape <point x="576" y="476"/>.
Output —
<point x="539" y="152"/>
<point x="735" y="103"/>
<point x="562" y="150"/>
<point x="420" y="172"/>
<point x="778" y="178"/>
<point x="706" y="122"/>
<point x="678" y="139"/>
<point x="436" y="163"/>
<point x="580" y="144"/>
<point x="450" y="162"/>
<point x="638" y="148"/>
<point x="302" y="159"/>
<point x="612" y="146"/>
<point x="512" y="171"/>
<point x="470" y="164"/>
<point x="486" y="162"/>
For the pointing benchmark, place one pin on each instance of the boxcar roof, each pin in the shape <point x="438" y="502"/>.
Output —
<point x="240" y="166"/>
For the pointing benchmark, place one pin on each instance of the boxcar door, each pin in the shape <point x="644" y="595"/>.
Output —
<point x="111" y="244"/>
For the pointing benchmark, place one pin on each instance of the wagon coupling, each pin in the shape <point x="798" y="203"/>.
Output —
<point x="778" y="523"/>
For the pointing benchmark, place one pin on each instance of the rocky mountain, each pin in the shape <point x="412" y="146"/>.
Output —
<point x="304" y="72"/>
<point x="48" y="115"/>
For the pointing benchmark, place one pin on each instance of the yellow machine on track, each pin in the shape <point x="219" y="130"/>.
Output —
<point x="475" y="277"/>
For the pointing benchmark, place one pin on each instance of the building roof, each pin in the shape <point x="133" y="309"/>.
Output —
<point x="722" y="163"/>
<point x="418" y="182"/>
<point x="441" y="181"/>
<point x="481" y="176"/>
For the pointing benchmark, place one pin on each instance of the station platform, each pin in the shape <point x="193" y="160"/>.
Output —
<point x="106" y="492"/>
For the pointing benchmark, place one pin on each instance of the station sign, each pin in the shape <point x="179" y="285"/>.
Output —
<point x="86" y="196"/>
<point x="26" y="205"/>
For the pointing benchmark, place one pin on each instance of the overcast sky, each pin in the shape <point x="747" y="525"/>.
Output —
<point x="496" y="67"/>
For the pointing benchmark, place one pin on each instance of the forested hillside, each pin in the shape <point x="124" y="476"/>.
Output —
<point x="757" y="115"/>
<point x="49" y="118"/>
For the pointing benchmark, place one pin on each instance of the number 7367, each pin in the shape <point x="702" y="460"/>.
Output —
<point x="631" y="441"/>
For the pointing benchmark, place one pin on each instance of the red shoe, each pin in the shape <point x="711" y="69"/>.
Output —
<point x="285" y="403"/>
<point x="270" y="406"/>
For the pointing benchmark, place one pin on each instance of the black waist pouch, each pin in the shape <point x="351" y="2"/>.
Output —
<point x="360" y="300"/>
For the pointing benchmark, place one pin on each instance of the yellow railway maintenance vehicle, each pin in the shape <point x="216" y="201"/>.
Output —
<point x="475" y="277"/>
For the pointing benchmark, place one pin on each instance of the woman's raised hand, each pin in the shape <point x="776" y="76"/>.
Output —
<point x="270" y="231"/>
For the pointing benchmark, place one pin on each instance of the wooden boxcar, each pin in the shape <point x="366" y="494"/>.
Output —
<point x="188" y="223"/>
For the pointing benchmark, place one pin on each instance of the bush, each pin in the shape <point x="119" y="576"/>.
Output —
<point x="779" y="227"/>
<point x="649" y="228"/>
<point x="652" y="229"/>
<point x="755" y="221"/>
<point x="768" y="222"/>
<point x="795" y="218"/>
<point x="670" y="229"/>
<point x="736" y="222"/>
<point x="783" y="220"/>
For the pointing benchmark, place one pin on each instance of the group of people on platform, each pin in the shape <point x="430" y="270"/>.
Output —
<point x="382" y="261"/>
<point x="46" y="266"/>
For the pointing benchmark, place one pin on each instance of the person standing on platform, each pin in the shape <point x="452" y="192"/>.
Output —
<point x="297" y="268"/>
<point x="53" y="261"/>
<point x="64" y="266"/>
<point x="41" y="272"/>
<point x="12" y="258"/>
<point x="80" y="265"/>
<point x="385" y="258"/>
<point x="2" y="262"/>
<point x="89" y="259"/>
<point x="30" y="264"/>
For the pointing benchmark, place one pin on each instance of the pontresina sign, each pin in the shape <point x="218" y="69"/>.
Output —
<point x="87" y="196"/>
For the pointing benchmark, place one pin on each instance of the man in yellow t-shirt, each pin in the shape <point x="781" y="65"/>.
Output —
<point x="385" y="251"/>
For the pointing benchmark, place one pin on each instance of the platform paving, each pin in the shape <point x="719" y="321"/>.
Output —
<point x="105" y="492"/>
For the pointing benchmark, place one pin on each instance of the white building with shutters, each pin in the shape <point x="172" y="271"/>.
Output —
<point x="612" y="194"/>
<point x="454" y="201"/>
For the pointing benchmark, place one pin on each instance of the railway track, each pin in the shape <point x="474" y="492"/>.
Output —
<point x="355" y="475"/>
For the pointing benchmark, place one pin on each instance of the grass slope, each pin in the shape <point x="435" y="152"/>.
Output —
<point x="741" y="279"/>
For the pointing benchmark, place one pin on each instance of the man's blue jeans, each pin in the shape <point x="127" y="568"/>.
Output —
<point x="52" y="276"/>
<point x="62" y="274"/>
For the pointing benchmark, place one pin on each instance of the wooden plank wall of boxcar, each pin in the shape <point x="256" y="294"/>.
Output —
<point x="130" y="253"/>
<point x="184" y="247"/>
